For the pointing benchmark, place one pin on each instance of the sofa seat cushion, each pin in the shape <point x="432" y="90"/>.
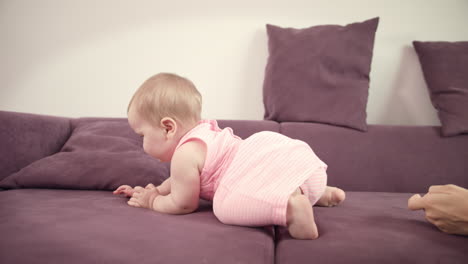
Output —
<point x="77" y="226"/>
<point x="372" y="227"/>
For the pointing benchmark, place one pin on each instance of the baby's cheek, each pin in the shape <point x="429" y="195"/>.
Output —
<point x="150" y="150"/>
<point x="145" y="147"/>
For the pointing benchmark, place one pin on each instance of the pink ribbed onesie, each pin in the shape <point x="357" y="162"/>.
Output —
<point x="251" y="180"/>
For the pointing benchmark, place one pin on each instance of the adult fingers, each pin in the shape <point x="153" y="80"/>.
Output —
<point x="453" y="187"/>
<point x="416" y="202"/>
<point x="440" y="188"/>
<point x="431" y="218"/>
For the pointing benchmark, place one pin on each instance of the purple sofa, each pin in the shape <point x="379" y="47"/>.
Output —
<point x="56" y="175"/>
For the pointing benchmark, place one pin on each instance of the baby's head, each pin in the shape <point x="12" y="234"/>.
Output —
<point x="167" y="95"/>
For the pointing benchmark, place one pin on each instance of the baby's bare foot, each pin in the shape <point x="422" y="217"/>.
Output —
<point x="331" y="197"/>
<point x="300" y="218"/>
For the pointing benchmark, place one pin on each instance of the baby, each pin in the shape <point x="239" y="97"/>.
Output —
<point x="266" y="179"/>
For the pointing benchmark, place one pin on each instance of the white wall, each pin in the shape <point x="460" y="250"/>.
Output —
<point x="87" y="57"/>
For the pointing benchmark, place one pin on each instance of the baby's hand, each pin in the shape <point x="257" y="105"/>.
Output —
<point x="124" y="189"/>
<point x="143" y="197"/>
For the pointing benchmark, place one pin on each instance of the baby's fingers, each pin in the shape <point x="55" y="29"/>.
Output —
<point x="133" y="202"/>
<point x="150" y="186"/>
<point x="124" y="189"/>
<point x="118" y="190"/>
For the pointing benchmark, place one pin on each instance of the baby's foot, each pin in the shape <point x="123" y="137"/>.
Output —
<point x="300" y="218"/>
<point x="331" y="197"/>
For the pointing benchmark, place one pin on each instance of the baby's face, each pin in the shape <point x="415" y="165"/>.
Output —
<point x="155" y="141"/>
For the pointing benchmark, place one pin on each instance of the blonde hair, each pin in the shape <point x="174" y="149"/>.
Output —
<point x="167" y="95"/>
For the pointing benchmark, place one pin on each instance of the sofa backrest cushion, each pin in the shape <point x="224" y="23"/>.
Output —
<point x="386" y="158"/>
<point x="26" y="138"/>
<point x="99" y="155"/>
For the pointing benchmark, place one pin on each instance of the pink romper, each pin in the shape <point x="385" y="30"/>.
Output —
<point x="251" y="180"/>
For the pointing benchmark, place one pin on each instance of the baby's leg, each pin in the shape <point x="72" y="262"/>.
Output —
<point x="331" y="197"/>
<point x="300" y="217"/>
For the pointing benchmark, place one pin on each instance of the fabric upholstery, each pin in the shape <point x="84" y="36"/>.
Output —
<point x="319" y="74"/>
<point x="26" y="138"/>
<point x="75" y="226"/>
<point x="372" y="228"/>
<point x="445" y="68"/>
<point x="386" y="158"/>
<point x="99" y="155"/>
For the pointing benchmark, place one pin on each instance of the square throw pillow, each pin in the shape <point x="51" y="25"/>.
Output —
<point x="99" y="155"/>
<point x="445" y="68"/>
<point x="319" y="74"/>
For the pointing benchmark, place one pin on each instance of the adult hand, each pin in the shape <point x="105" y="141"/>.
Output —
<point x="446" y="206"/>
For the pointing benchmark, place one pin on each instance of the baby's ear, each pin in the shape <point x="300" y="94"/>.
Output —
<point x="169" y="125"/>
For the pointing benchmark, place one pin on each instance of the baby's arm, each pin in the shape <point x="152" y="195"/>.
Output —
<point x="185" y="180"/>
<point x="165" y="187"/>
